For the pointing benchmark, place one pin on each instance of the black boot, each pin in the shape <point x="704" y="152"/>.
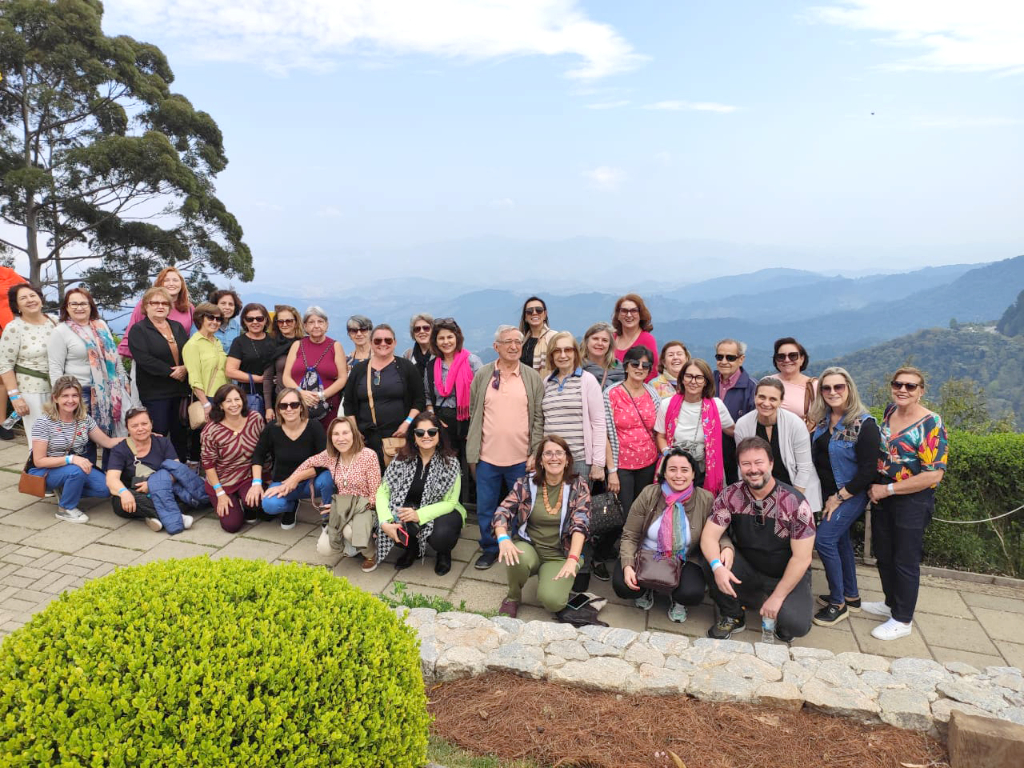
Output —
<point x="409" y="556"/>
<point x="443" y="564"/>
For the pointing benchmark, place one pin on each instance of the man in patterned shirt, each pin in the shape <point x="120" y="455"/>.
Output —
<point x="772" y="526"/>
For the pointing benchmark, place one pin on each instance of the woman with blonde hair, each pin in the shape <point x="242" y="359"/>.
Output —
<point x="287" y="329"/>
<point x="674" y="355"/>
<point x="598" y="355"/>
<point x="171" y="280"/>
<point x="420" y="326"/>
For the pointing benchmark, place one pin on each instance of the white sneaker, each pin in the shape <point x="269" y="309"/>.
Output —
<point x="187" y="521"/>
<point x="74" y="515"/>
<point x="891" y="630"/>
<point x="877" y="609"/>
<point x="646" y="601"/>
<point x="154" y="524"/>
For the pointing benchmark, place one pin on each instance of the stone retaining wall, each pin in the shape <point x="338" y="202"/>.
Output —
<point x="916" y="694"/>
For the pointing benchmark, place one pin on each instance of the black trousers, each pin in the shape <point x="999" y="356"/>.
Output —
<point x="729" y="459"/>
<point x="689" y="591"/>
<point x="631" y="482"/>
<point x="897" y="538"/>
<point x="445" y="535"/>
<point x="795" y="615"/>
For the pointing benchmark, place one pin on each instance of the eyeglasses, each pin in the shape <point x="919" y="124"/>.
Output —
<point x="553" y="455"/>
<point x="625" y="311"/>
<point x="81" y="304"/>
<point x="643" y="365"/>
<point x="431" y="432"/>
<point x="564" y="350"/>
<point x="257" y="319"/>
<point x="384" y="342"/>
<point x="910" y="386"/>
<point x="159" y="304"/>
<point x="784" y="356"/>
<point x="535" y="310"/>
<point x="510" y="342"/>
<point x="837" y="388"/>
<point x="730" y="358"/>
<point x="289" y="405"/>
<point x="285" y="321"/>
<point x="694" y="377"/>
<point x="360" y="329"/>
<point x="421" y="329"/>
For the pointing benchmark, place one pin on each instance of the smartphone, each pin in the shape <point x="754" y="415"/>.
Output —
<point x="577" y="601"/>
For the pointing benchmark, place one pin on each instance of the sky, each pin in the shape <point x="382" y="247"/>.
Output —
<point x="852" y="133"/>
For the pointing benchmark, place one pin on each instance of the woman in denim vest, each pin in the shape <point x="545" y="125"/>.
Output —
<point x="844" y="446"/>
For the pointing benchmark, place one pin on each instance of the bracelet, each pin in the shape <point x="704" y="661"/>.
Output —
<point x="716" y="564"/>
<point x="890" y="489"/>
<point x="67" y="458"/>
<point x="217" y="487"/>
<point x="13" y="391"/>
<point x="257" y="481"/>
<point x="504" y="537"/>
<point x="207" y="404"/>
<point x="571" y="556"/>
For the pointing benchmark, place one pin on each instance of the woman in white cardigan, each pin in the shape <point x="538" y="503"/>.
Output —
<point x="787" y="433"/>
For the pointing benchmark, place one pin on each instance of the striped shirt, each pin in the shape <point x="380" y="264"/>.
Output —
<point x="60" y="434"/>
<point x="563" y="412"/>
<point x="230" y="454"/>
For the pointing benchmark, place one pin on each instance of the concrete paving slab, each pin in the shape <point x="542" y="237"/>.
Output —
<point x="914" y="645"/>
<point x="207" y="531"/>
<point x="375" y="581"/>
<point x="108" y="554"/>
<point x="480" y="596"/>
<point x="304" y="551"/>
<point x="270" y="530"/>
<point x="66" y="537"/>
<point x="945" y="602"/>
<point x="14" y="533"/>
<point x="1012" y="652"/>
<point x="251" y="549"/>
<point x="698" y="620"/>
<point x="1001" y="625"/>
<point x="950" y="632"/>
<point x="417" y="589"/>
<point x="169" y="549"/>
<point x="838" y="639"/>
<point x="995" y="602"/>
<point x="422" y="572"/>
<point x="38" y="516"/>
<point x="466" y="550"/>
<point x="977" y="660"/>
<point x="135" y="536"/>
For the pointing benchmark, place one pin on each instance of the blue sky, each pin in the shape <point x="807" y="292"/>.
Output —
<point x="355" y="127"/>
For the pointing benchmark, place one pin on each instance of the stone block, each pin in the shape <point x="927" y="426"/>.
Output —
<point x="796" y="673"/>
<point x="833" y="672"/>
<point x="863" y="662"/>
<point x="980" y="742"/>
<point x="512" y="626"/>
<point x="880" y="680"/>
<point x="544" y="632"/>
<point x="810" y="653"/>
<point x="776" y="655"/>
<point x="845" y="702"/>
<point x="594" y="648"/>
<point x="525" y="660"/>
<point x="959" y="668"/>
<point x="781" y="694"/>
<point x="919" y="673"/>
<point x="717" y="684"/>
<point x="657" y="681"/>
<point x="428" y="659"/>
<point x="644" y="654"/>
<point x="418" y="617"/>
<point x="601" y="674"/>
<point x="570" y="650"/>
<point x="906" y="709"/>
<point x="668" y="644"/>
<point x="728" y="646"/>
<point x="754" y="668"/>
<point x="972" y="694"/>
<point x="457" y="662"/>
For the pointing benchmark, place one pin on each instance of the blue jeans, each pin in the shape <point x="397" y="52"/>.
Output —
<point x="832" y="540"/>
<point x="488" y="490"/>
<point x="278" y="505"/>
<point x="73" y="483"/>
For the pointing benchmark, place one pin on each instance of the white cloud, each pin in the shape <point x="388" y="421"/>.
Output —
<point x="286" y="34"/>
<point x="605" y="177"/>
<point x="503" y="204"/>
<point x="694" y="106"/>
<point x="968" y="122"/>
<point x="609" y="104"/>
<point x="944" y="35"/>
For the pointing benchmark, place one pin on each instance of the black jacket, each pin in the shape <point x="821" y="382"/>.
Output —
<point x="355" y="393"/>
<point x="153" y="360"/>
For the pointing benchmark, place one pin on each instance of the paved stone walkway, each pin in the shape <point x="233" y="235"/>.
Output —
<point x="40" y="557"/>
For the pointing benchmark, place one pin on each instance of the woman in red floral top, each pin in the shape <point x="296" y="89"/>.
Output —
<point x="227" y="444"/>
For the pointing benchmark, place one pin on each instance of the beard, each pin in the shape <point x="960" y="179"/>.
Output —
<point x="757" y="485"/>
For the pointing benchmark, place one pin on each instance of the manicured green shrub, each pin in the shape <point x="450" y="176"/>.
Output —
<point x="213" y="663"/>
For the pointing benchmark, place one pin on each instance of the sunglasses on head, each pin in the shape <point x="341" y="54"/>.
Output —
<point x="730" y="358"/>
<point x="288" y="405"/>
<point x="428" y="432"/>
<point x="910" y="386"/>
<point x="783" y="356"/>
<point x="383" y="342"/>
<point x="829" y="389"/>
<point x="535" y="310"/>
<point x="643" y="365"/>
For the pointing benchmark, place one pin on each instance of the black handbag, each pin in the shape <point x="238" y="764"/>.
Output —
<point x="606" y="513"/>
<point x="254" y="398"/>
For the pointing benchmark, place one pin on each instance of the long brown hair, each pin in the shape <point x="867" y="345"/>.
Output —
<point x="409" y="451"/>
<point x="183" y="301"/>
<point x="645" y="313"/>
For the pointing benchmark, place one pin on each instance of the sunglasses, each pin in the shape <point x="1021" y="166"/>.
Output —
<point x="421" y="329"/>
<point x="159" y="304"/>
<point x="783" y="356"/>
<point x="910" y="386"/>
<point x="383" y="342"/>
<point x="624" y="311"/>
<point x="496" y="379"/>
<point x="257" y="319"/>
<point x="214" y="319"/>
<point x="449" y="320"/>
<point x="429" y="432"/>
<point x="290" y="404"/>
<point x="376" y="378"/>
<point x="360" y="329"/>
<point x="837" y="388"/>
<point x="535" y="310"/>
<point x="730" y="358"/>
<point x="643" y="365"/>
<point x="759" y="517"/>
<point x="285" y="321"/>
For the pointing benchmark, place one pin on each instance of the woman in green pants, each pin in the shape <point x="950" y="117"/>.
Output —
<point x="549" y="513"/>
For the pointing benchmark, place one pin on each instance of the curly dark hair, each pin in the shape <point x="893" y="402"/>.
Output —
<point x="217" y="409"/>
<point x="216" y="296"/>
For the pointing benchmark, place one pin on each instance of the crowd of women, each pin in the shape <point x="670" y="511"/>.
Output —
<point x="227" y="404"/>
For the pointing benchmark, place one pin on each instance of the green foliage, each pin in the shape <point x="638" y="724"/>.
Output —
<point x="964" y="406"/>
<point x="100" y="161"/>
<point x="401" y="596"/>
<point x="209" y="663"/>
<point x="985" y="478"/>
<point x="1012" y="321"/>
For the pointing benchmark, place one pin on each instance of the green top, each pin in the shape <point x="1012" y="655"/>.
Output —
<point x="430" y="512"/>
<point x="204" y="359"/>
<point x="543" y="529"/>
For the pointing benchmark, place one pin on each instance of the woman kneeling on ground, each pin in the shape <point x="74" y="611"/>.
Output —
<point x="285" y="444"/>
<point x="667" y="519"/>
<point x="147" y="481"/>
<point x="59" y="441"/>
<point x="418" y="500"/>
<point x="228" y="441"/>
<point x="549" y="512"/>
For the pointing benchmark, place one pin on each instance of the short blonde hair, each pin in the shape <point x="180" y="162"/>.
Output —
<point x="553" y="343"/>
<point x="61" y="384"/>
<point x="609" y="356"/>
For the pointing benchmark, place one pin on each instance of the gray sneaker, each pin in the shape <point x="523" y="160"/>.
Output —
<point x="677" y="612"/>
<point x="646" y="601"/>
<point x="74" y="515"/>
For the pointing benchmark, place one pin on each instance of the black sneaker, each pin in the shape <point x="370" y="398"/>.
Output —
<point x="600" y="571"/>
<point x="485" y="561"/>
<point x="726" y="626"/>
<point x="6" y="434"/>
<point x="782" y="637"/>
<point x="852" y="603"/>
<point x="288" y="519"/>
<point x="831" y="614"/>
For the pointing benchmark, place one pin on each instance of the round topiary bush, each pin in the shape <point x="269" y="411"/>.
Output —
<point x="213" y="663"/>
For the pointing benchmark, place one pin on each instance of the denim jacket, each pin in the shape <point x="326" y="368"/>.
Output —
<point x="842" y="446"/>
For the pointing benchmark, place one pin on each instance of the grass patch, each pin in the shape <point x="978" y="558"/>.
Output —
<point x="449" y="755"/>
<point x="403" y="596"/>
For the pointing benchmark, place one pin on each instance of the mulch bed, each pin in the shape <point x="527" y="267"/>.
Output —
<point x="518" y="719"/>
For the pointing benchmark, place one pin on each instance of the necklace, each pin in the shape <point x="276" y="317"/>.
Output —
<point x="557" y="507"/>
<point x="342" y="468"/>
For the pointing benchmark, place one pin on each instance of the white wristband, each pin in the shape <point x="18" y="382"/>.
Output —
<point x="207" y="404"/>
<point x="221" y="493"/>
<point x="890" y="489"/>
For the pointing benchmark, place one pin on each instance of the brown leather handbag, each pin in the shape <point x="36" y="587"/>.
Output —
<point x="32" y="485"/>
<point x="389" y="445"/>
<point x="659" y="575"/>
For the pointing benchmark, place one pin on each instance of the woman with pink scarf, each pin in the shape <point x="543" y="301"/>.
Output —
<point x="695" y="420"/>
<point x="447" y="380"/>
<point x="666" y="521"/>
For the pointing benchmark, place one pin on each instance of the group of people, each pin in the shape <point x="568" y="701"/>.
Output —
<point x="728" y="484"/>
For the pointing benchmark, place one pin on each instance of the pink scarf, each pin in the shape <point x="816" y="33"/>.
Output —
<point x="714" y="474"/>
<point x="460" y="377"/>
<point x="674" y="530"/>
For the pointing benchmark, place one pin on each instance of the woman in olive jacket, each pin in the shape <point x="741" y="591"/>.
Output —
<point x="650" y="526"/>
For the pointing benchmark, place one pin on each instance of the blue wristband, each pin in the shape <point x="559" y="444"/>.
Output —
<point x="256" y="481"/>
<point x="504" y="537"/>
<point x="408" y="420"/>
<point x="217" y="487"/>
<point x="15" y="397"/>
<point x="121" y="491"/>
<point x="67" y="458"/>
<point x="716" y="564"/>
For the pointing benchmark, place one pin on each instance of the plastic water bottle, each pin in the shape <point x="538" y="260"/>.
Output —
<point x="11" y="420"/>
<point x="768" y="630"/>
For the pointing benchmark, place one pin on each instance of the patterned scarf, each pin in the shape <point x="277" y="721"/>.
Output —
<point x="714" y="473"/>
<point x="460" y="377"/>
<point x="442" y="472"/>
<point x="109" y="391"/>
<point x="674" y="531"/>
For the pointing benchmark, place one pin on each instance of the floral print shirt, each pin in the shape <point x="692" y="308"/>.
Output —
<point x="921" y="447"/>
<point x="26" y="345"/>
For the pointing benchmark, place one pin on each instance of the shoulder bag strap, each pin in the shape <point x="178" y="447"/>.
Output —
<point x="604" y="379"/>
<point x="369" y="394"/>
<point x="641" y="416"/>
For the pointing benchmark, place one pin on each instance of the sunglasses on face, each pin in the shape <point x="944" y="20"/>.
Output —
<point x="625" y="311"/>
<point x="286" y="321"/>
<point x="421" y="329"/>
<point x="643" y="365"/>
<point x="159" y="304"/>
<point x="837" y="388"/>
<point x="429" y="432"/>
<point x="257" y="319"/>
<point x="910" y="386"/>
<point x="383" y="342"/>
<point x="288" y="405"/>
<point x="784" y="356"/>
<point x="730" y="358"/>
<point x="213" y="319"/>
<point x="358" y="330"/>
<point x="535" y="310"/>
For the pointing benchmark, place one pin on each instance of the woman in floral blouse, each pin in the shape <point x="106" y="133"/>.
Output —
<point x="24" y="359"/>
<point x="913" y="458"/>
